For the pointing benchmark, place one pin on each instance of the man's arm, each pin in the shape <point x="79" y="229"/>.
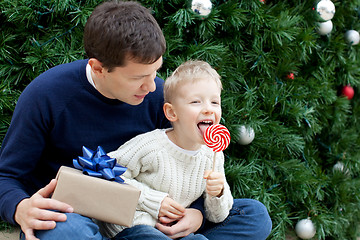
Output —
<point x="199" y="205"/>
<point x="11" y="192"/>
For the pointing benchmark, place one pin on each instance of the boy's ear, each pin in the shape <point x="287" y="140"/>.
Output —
<point x="169" y="112"/>
<point x="96" y="66"/>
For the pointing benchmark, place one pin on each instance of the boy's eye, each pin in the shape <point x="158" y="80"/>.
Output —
<point x="195" y="101"/>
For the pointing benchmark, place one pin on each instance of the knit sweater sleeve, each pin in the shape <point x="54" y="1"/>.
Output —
<point x="218" y="208"/>
<point x="135" y="155"/>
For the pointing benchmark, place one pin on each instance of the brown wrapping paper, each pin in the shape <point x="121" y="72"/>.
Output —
<point x="97" y="198"/>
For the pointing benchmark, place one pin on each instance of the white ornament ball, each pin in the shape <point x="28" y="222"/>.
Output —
<point x="324" y="28"/>
<point x="339" y="166"/>
<point x="246" y="135"/>
<point x="352" y="37"/>
<point x="201" y="7"/>
<point x="325" y="9"/>
<point x="305" y="229"/>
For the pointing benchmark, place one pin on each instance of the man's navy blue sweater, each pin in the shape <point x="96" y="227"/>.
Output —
<point x="57" y="114"/>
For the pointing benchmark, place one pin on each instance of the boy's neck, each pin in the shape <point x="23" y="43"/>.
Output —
<point x="174" y="138"/>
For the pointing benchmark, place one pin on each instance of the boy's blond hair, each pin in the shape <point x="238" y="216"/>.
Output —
<point x="191" y="70"/>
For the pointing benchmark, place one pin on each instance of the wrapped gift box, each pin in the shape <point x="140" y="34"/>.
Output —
<point x="97" y="198"/>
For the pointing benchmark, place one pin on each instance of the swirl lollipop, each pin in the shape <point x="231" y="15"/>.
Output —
<point x="217" y="137"/>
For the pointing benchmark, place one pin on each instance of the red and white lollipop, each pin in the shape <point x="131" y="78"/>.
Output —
<point x="217" y="137"/>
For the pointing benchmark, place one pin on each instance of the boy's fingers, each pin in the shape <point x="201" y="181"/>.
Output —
<point x="177" y="209"/>
<point x="174" y="216"/>
<point x="207" y="173"/>
<point x="166" y="220"/>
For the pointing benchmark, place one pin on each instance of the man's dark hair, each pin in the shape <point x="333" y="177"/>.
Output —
<point x="118" y="31"/>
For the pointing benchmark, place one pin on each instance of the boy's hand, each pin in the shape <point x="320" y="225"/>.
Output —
<point x="171" y="209"/>
<point x="214" y="183"/>
<point x="189" y="223"/>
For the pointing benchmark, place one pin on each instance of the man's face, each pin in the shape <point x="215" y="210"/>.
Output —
<point x="130" y="83"/>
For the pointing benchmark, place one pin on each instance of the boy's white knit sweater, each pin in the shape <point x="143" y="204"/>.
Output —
<point x="159" y="168"/>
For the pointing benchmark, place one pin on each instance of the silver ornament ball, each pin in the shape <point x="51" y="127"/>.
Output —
<point x="201" y="7"/>
<point x="305" y="229"/>
<point x="246" y="135"/>
<point x="352" y="37"/>
<point x="325" y="10"/>
<point x="324" y="28"/>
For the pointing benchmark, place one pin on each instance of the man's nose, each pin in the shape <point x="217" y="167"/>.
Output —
<point x="149" y="83"/>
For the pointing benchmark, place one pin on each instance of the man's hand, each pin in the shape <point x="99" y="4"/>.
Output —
<point x="189" y="223"/>
<point x="171" y="209"/>
<point x="34" y="213"/>
<point x="214" y="183"/>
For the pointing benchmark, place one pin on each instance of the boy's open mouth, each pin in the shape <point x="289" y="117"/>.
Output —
<point x="204" y="125"/>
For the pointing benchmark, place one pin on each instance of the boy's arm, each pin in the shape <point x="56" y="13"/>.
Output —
<point x="150" y="200"/>
<point x="218" y="208"/>
<point x="133" y="155"/>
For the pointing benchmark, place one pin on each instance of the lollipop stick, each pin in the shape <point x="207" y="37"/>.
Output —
<point x="213" y="168"/>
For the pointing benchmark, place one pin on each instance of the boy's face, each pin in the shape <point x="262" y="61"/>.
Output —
<point x="130" y="83"/>
<point x="196" y="106"/>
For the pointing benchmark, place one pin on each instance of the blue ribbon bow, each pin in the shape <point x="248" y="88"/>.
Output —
<point x="98" y="164"/>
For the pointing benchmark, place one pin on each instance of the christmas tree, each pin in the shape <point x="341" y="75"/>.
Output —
<point x="290" y="71"/>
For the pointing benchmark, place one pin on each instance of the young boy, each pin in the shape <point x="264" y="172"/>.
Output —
<point x="172" y="166"/>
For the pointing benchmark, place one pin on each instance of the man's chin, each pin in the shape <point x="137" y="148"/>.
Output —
<point x="135" y="102"/>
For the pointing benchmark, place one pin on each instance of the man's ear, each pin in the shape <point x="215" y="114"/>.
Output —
<point x="169" y="111"/>
<point x="96" y="67"/>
